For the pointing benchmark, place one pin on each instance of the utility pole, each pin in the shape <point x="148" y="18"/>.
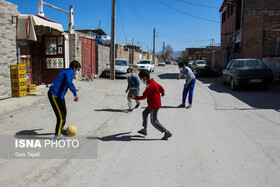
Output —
<point x="71" y="20"/>
<point x="112" y="51"/>
<point x="99" y="23"/>
<point x="40" y="8"/>
<point x="163" y="46"/>
<point x="71" y="28"/>
<point x="154" y="46"/>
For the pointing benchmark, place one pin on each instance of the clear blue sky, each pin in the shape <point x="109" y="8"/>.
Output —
<point x="176" y="21"/>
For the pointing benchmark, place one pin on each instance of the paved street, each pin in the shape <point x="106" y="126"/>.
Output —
<point x="228" y="138"/>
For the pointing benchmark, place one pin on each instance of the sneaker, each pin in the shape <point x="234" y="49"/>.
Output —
<point x="189" y="106"/>
<point x="63" y="131"/>
<point x="142" y="131"/>
<point x="137" y="105"/>
<point x="182" y="105"/>
<point x="167" y="135"/>
<point x="59" y="137"/>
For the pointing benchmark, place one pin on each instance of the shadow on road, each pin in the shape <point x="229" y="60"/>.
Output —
<point x="111" y="110"/>
<point x="168" y="76"/>
<point x="164" y="107"/>
<point x="254" y="97"/>
<point x="32" y="134"/>
<point x="126" y="137"/>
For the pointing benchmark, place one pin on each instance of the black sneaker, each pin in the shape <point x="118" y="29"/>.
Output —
<point x="182" y="106"/>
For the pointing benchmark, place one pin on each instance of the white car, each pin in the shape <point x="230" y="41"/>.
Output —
<point x="198" y="65"/>
<point x="146" y="65"/>
<point x="121" y="66"/>
<point x="161" y="63"/>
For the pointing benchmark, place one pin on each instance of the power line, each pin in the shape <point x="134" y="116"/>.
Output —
<point x="81" y="2"/>
<point x="59" y="2"/>
<point x="194" y="4"/>
<point x="186" y="13"/>
<point x="180" y="39"/>
<point x="121" y="18"/>
<point x="136" y="16"/>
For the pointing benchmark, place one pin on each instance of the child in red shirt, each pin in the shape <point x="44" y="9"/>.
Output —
<point x="153" y="93"/>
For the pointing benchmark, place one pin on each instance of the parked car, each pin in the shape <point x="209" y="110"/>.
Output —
<point x="121" y="66"/>
<point x="161" y="63"/>
<point x="199" y="65"/>
<point x="190" y="63"/>
<point x="247" y="72"/>
<point x="147" y="65"/>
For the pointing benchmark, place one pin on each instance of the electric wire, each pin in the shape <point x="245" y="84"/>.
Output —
<point x="175" y="9"/>
<point x="195" y="4"/>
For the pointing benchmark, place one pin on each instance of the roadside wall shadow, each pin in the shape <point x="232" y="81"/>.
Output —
<point x="254" y="97"/>
<point x="125" y="137"/>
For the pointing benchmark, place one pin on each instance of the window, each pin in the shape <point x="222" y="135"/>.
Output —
<point x="229" y="64"/>
<point x="121" y="62"/>
<point x="250" y="64"/>
<point x="232" y="65"/>
<point x="227" y="12"/>
<point x="224" y="17"/>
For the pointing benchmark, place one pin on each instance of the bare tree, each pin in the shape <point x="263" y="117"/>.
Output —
<point x="168" y="50"/>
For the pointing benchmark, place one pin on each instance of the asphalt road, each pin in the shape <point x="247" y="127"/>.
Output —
<point x="228" y="138"/>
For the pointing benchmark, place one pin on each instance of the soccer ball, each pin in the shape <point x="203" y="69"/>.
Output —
<point x="71" y="130"/>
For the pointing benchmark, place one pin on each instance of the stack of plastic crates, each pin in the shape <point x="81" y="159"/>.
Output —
<point x="18" y="80"/>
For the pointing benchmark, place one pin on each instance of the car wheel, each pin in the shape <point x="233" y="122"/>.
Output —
<point x="233" y="86"/>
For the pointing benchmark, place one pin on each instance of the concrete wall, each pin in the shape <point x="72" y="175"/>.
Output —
<point x="8" y="48"/>
<point x="75" y="50"/>
<point x="121" y="52"/>
<point x="67" y="50"/>
<point x="103" y="58"/>
<point x="136" y="58"/>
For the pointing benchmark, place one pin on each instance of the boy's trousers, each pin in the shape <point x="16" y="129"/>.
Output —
<point x="189" y="89"/>
<point x="130" y="94"/>
<point x="60" y="111"/>
<point x="154" y="119"/>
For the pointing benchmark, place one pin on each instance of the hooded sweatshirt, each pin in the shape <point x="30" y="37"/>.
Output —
<point x="62" y="82"/>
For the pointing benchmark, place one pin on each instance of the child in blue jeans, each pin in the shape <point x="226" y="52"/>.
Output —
<point x="188" y="86"/>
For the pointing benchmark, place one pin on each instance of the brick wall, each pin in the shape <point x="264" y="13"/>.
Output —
<point x="253" y="33"/>
<point x="8" y="49"/>
<point x="103" y="57"/>
<point x="253" y="7"/>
